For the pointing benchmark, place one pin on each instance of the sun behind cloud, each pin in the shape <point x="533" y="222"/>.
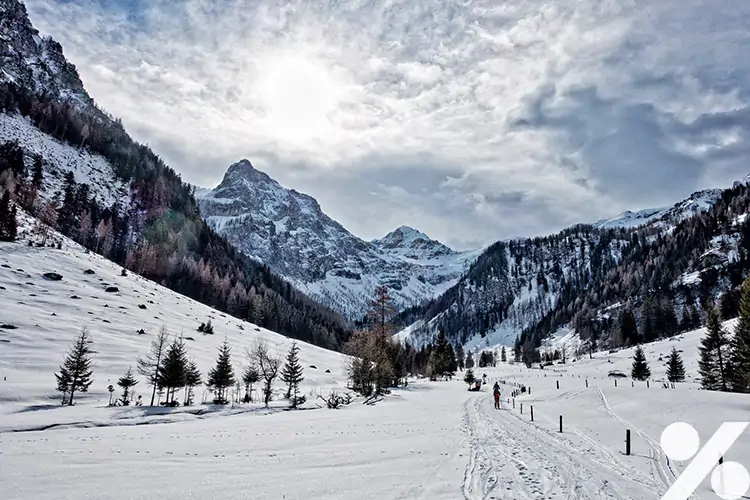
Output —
<point x="298" y="95"/>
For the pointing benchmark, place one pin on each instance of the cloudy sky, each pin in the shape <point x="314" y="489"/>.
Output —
<point x="470" y="120"/>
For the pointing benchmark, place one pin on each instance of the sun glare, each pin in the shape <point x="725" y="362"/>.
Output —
<point x="298" y="95"/>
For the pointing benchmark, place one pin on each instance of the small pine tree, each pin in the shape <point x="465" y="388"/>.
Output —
<point x="208" y="328"/>
<point x="675" y="368"/>
<point x="127" y="381"/>
<point x="503" y="355"/>
<point x="7" y="218"/>
<point x="740" y="345"/>
<point x="469" y="377"/>
<point x="192" y="379"/>
<point x="173" y="369"/>
<point x="292" y="374"/>
<point x="249" y="377"/>
<point x="469" y="360"/>
<point x="221" y="376"/>
<point x="640" y="370"/>
<point x="460" y="357"/>
<point x="76" y="370"/>
<point x="714" y="355"/>
<point x="37" y="175"/>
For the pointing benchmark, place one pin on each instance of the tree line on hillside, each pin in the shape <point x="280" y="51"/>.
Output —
<point x="647" y="280"/>
<point x="157" y="232"/>
<point x="724" y="363"/>
<point x="167" y="369"/>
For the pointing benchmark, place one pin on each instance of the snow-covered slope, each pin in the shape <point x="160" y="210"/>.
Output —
<point x="696" y="203"/>
<point x="289" y="232"/>
<point x="46" y="316"/>
<point x="58" y="158"/>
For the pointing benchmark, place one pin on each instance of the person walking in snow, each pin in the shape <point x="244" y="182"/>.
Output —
<point x="496" y="393"/>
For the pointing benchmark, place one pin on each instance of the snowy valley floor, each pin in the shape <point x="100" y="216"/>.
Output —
<point x="431" y="440"/>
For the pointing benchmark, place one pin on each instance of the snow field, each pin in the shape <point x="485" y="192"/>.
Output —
<point x="595" y="418"/>
<point x="48" y="315"/>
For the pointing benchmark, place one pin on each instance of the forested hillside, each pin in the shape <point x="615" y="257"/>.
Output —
<point x="657" y="279"/>
<point x="155" y="229"/>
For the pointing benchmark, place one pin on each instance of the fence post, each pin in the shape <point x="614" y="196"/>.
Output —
<point x="529" y="391"/>
<point x="615" y="382"/>
<point x="647" y="384"/>
<point x="532" y="413"/>
<point x="558" y="384"/>
<point x="521" y="408"/>
<point x="560" y="423"/>
<point x="514" y="403"/>
<point x="627" y="441"/>
<point x="632" y="383"/>
<point x="587" y="382"/>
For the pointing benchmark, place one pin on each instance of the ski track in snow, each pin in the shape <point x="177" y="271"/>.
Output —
<point x="514" y="459"/>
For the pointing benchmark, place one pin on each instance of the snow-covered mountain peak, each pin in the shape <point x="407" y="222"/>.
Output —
<point x="288" y="231"/>
<point x="412" y="243"/>
<point x="243" y="170"/>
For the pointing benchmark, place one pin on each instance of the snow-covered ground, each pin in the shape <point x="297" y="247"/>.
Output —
<point x="88" y="168"/>
<point x="432" y="440"/>
<point x="48" y="315"/>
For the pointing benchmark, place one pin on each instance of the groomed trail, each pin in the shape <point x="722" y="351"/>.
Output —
<point x="513" y="458"/>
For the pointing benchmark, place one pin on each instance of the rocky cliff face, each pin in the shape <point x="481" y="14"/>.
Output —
<point x="289" y="232"/>
<point x="35" y="62"/>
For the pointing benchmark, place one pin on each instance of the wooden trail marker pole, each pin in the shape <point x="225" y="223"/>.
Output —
<point x="532" y="413"/>
<point x="627" y="441"/>
<point x="560" y="423"/>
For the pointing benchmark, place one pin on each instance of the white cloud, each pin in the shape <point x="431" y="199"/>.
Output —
<point x="478" y="120"/>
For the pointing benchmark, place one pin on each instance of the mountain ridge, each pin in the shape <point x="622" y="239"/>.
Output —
<point x="288" y="231"/>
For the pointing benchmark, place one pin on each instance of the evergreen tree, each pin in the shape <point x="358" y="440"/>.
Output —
<point x="517" y="350"/>
<point x="740" y="345"/>
<point x="249" y="377"/>
<point x="695" y="317"/>
<point x="192" y="379"/>
<point x="76" y="370"/>
<point x="127" y="381"/>
<point x="669" y="323"/>
<point x="640" y="370"/>
<point x="292" y="374"/>
<point x="7" y="218"/>
<point x="67" y="215"/>
<point x="675" y="368"/>
<point x="443" y="362"/>
<point x="173" y="370"/>
<point x="149" y="366"/>
<point x="460" y="357"/>
<point x="729" y="303"/>
<point x="714" y="355"/>
<point x="469" y="377"/>
<point x="649" y="319"/>
<point x="37" y="175"/>
<point x="628" y="328"/>
<point x="503" y="355"/>
<point x="221" y="376"/>
<point x="469" y="360"/>
<point x="13" y="224"/>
